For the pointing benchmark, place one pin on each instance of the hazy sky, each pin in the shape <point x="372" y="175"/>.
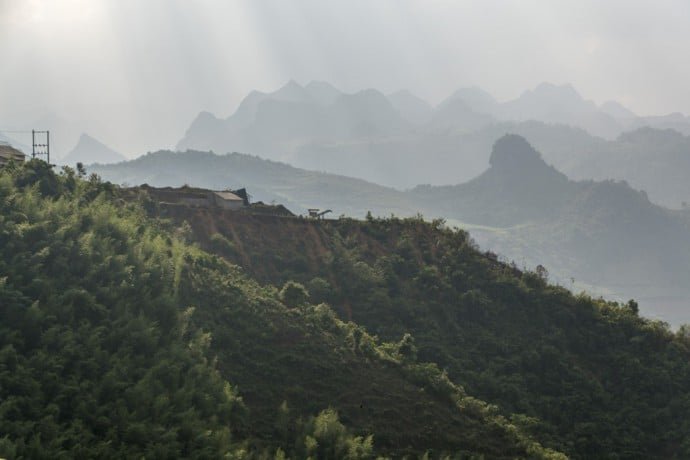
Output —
<point x="134" y="73"/>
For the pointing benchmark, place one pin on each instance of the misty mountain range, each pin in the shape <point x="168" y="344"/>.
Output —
<point x="602" y="236"/>
<point x="530" y="207"/>
<point x="401" y="141"/>
<point x="91" y="151"/>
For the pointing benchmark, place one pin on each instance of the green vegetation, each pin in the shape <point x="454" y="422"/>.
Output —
<point x="603" y="236"/>
<point x="583" y="376"/>
<point x="95" y="359"/>
<point x="118" y="338"/>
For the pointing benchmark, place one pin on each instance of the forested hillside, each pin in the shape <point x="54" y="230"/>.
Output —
<point x="584" y="376"/>
<point x="603" y="237"/>
<point x="120" y="338"/>
<point x="325" y="230"/>
<point x="603" y="234"/>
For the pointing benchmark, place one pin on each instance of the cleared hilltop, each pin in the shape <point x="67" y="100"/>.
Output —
<point x="602" y="236"/>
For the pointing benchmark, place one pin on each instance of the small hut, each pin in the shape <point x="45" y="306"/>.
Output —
<point x="228" y="200"/>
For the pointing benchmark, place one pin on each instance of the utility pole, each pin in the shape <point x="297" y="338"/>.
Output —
<point x="38" y="148"/>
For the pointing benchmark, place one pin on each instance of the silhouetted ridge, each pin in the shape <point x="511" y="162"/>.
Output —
<point x="89" y="150"/>
<point x="518" y="187"/>
<point x="512" y="151"/>
<point x="652" y="137"/>
<point x="517" y="165"/>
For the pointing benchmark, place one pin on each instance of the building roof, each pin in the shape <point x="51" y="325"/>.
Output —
<point x="228" y="196"/>
<point x="7" y="152"/>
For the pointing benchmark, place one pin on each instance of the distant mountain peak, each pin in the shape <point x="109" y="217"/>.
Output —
<point x="369" y="92"/>
<point x="473" y="93"/>
<point x="89" y="150"/>
<point x="369" y="97"/>
<point x="322" y="92"/>
<point x="401" y="92"/>
<point x="652" y="137"/>
<point x="564" y="91"/>
<point x="617" y="110"/>
<point x="255" y="93"/>
<point x="369" y="104"/>
<point x="512" y="151"/>
<point x="290" y="91"/>
<point x="564" y="96"/>
<point x="320" y="84"/>
<point x="474" y="98"/>
<point x="85" y="140"/>
<point x="405" y="93"/>
<point x="291" y="87"/>
<point x="548" y="86"/>
<point x="203" y="116"/>
<point x="410" y="106"/>
<point x="291" y="83"/>
<point x="519" y="170"/>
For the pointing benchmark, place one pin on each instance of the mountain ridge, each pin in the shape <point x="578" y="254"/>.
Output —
<point x="89" y="150"/>
<point x="525" y="213"/>
<point x="362" y="269"/>
<point x="407" y="143"/>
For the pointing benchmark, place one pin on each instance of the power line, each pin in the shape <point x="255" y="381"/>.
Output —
<point x="40" y="142"/>
<point x="39" y="148"/>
